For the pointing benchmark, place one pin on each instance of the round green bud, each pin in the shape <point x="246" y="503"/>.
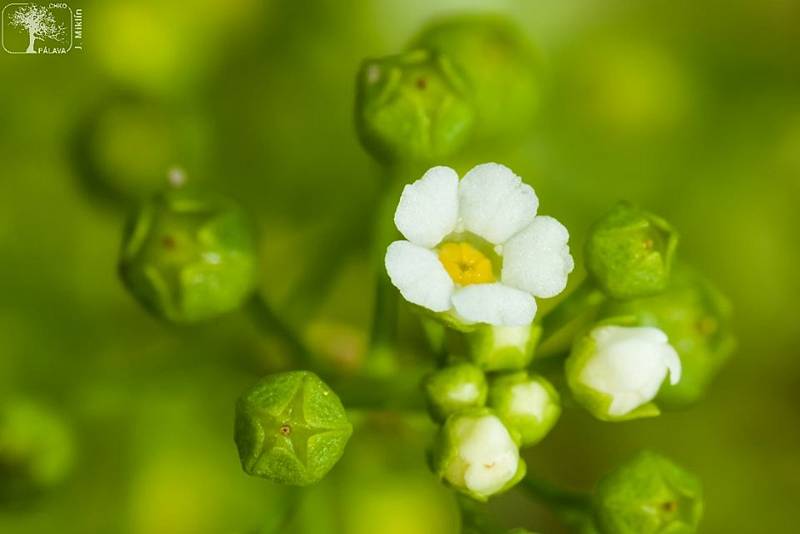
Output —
<point x="476" y="454"/>
<point x="36" y="450"/>
<point x="629" y="252"/>
<point x="499" y="66"/>
<point x="503" y="348"/>
<point x="291" y="428"/>
<point x="648" y="495"/>
<point x="529" y="405"/>
<point x="412" y="108"/>
<point x="696" y="318"/>
<point x="189" y="256"/>
<point x="455" y="388"/>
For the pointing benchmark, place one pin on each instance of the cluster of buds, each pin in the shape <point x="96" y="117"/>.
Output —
<point x="475" y="258"/>
<point x="658" y="338"/>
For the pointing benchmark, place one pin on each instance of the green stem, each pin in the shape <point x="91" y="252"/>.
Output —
<point x="272" y="324"/>
<point x="572" y="507"/>
<point x="583" y="300"/>
<point x="475" y="519"/>
<point x="382" y="357"/>
<point x="279" y="523"/>
<point x="400" y="393"/>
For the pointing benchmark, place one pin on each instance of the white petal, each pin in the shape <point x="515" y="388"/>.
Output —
<point x="529" y="398"/>
<point x="673" y="363"/>
<point x="630" y="365"/>
<point x="428" y="208"/>
<point x="490" y="455"/>
<point x="494" y="203"/>
<point x="495" y="304"/>
<point x="537" y="259"/>
<point x="419" y="275"/>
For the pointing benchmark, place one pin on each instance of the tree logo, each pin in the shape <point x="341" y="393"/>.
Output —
<point x="29" y="28"/>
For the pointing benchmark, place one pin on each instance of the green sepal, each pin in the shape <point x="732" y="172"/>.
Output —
<point x="504" y="392"/>
<point x="696" y="318"/>
<point x="189" y="255"/>
<point x="648" y="494"/>
<point x="455" y="388"/>
<point x="503" y="348"/>
<point x="291" y="428"/>
<point x="629" y="252"/>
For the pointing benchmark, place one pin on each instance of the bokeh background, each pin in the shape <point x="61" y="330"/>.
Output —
<point x="691" y="109"/>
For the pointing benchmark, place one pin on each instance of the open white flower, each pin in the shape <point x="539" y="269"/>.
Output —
<point x="485" y="459"/>
<point x="476" y="247"/>
<point x="620" y="370"/>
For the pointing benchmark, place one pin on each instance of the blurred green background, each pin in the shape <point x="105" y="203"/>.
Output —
<point x="691" y="109"/>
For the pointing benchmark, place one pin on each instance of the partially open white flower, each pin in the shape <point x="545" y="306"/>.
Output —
<point x="617" y="371"/>
<point x="484" y="458"/>
<point x="476" y="247"/>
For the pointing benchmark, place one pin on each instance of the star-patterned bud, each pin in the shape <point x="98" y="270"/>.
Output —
<point x="291" y="428"/>
<point x="189" y="256"/>
<point x="648" y="495"/>
<point x="411" y="107"/>
<point x="629" y="252"/>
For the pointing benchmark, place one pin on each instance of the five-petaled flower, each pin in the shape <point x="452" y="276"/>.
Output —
<point x="475" y="248"/>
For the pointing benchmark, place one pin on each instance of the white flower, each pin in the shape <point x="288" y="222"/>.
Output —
<point x="628" y="364"/>
<point x="486" y="457"/>
<point x="476" y="246"/>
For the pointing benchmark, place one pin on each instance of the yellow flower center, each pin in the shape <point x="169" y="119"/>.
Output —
<point x="466" y="264"/>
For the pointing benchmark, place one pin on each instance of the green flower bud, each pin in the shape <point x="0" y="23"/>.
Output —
<point x="696" y="318"/>
<point x="291" y="428"/>
<point x="499" y="66"/>
<point x="412" y="107"/>
<point x="503" y="348"/>
<point x="455" y="388"/>
<point x="629" y="252"/>
<point x="36" y="450"/>
<point x="615" y="371"/>
<point x="476" y="454"/>
<point x="648" y="495"/>
<point x="188" y="256"/>
<point x="529" y="405"/>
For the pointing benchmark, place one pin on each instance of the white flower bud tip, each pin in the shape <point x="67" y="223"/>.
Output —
<point x="487" y="456"/>
<point x="629" y="364"/>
